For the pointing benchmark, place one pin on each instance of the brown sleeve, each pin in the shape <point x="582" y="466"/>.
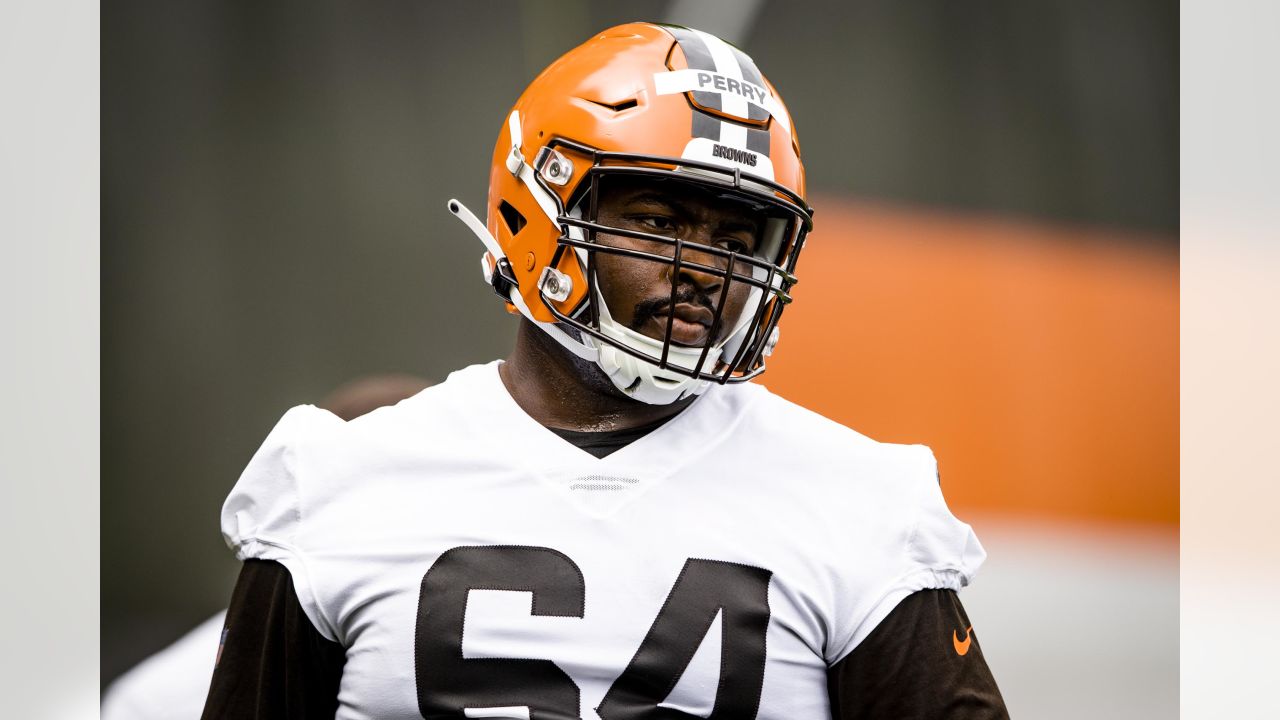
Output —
<point x="922" y="662"/>
<point x="272" y="662"/>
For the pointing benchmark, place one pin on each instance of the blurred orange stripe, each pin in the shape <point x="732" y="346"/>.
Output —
<point x="1040" y="363"/>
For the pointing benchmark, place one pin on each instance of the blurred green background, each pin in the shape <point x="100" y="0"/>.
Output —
<point x="274" y="177"/>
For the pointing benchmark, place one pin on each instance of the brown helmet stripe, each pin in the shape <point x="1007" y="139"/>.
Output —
<point x="699" y="58"/>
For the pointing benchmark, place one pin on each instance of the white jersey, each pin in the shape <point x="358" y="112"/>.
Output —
<point x="475" y="564"/>
<point x="173" y="683"/>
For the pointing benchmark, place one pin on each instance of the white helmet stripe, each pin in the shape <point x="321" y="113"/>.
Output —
<point x="726" y="64"/>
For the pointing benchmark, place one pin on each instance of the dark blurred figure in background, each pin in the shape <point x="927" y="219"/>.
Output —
<point x="172" y="684"/>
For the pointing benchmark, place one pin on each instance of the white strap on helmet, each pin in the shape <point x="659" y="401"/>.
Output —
<point x="654" y="386"/>
<point x="495" y="253"/>
<point x="519" y="167"/>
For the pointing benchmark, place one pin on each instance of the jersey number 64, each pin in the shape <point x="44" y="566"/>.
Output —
<point x="448" y="684"/>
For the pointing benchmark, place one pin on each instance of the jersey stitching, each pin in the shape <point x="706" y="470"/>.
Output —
<point x="928" y="578"/>
<point x="297" y="555"/>
<point x="533" y="601"/>
<point x="667" y="601"/>
<point x="764" y="658"/>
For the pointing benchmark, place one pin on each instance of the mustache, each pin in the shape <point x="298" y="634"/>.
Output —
<point x="647" y="309"/>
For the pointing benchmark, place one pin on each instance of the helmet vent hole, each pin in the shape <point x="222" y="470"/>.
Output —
<point x="512" y="217"/>
<point x="616" y="107"/>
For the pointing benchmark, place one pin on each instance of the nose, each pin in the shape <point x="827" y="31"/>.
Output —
<point x="708" y="282"/>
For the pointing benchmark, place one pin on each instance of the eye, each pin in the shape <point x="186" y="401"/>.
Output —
<point x="734" y="245"/>
<point x="657" y="223"/>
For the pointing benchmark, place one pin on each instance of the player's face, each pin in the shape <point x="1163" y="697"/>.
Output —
<point x="639" y="292"/>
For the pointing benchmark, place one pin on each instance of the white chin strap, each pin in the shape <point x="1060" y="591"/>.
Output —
<point x="638" y="379"/>
<point x="642" y="379"/>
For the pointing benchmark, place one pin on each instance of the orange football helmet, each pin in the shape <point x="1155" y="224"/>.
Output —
<point x="651" y="101"/>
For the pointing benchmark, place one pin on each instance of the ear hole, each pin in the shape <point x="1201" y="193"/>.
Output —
<point x="512" y="217"/>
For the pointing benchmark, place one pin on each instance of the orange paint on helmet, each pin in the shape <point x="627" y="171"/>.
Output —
<point x="602" y="94"/>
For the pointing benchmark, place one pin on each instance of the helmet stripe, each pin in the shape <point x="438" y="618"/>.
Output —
<point x="705" y="125"/>
<point x="726" y="63"/>
<point x="740" y="88"/>
<point x="704" y="51"/>
<point x="751" y="74"/>
<point x="698" y="57"/>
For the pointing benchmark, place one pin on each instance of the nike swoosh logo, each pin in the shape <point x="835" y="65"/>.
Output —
<point x="962" y="648"/>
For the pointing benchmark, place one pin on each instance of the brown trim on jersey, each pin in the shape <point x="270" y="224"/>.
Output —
<point x="272" y="663"/>
<point x="922" y="662"/>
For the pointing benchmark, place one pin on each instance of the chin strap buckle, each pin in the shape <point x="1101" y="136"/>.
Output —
<point x="498" y="275"/>
<point x="501" y="277"/>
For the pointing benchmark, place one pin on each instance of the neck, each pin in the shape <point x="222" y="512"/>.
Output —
<point x="560" y="390"/>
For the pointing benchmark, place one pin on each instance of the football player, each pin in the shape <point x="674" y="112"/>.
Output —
<point x="613" y="522"/>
